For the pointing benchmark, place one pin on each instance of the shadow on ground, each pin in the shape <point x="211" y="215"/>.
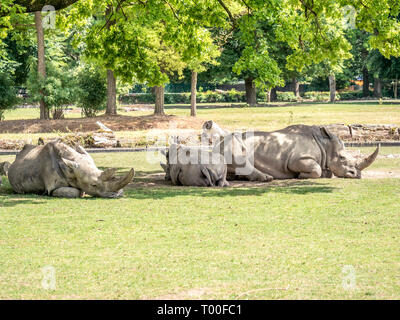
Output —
<point x="153" y="186"/>
<point x="6" y="203"/>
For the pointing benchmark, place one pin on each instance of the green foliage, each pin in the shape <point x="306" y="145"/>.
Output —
<point x="91" y="94"/>
<point x="8" y="93"/>
<point x="184" y="97"/>
<point x="318" y="96"/>
<point x="235" y="96"/>
<point x="351" y="95"/>
<point x="57" y="89"/>
<point x="286" y="96"/>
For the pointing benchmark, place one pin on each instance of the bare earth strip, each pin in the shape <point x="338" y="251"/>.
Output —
<point x="115" y="123"/>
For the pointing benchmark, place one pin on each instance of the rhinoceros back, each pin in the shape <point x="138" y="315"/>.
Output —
<point x="33" y="170"/>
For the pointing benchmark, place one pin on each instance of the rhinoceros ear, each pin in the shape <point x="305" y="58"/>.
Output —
<point x="208" y="125"/>
<point x="326" y="134"/>
<point x="108" y="174"/>
<point x="164" y="166"/>
<point x="68" y="166"/>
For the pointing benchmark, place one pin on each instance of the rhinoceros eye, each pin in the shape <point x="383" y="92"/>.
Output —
<point x="342" y="158"/>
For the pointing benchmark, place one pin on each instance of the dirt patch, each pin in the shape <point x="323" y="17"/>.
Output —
<point x="115" y="123"/>
<point x="381" y="174"/>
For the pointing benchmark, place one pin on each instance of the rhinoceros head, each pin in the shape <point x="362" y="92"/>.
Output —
<point x="166" y="166"/>
<point x="341" y="162"/>
<point x="82" y="173"/>
<point x="4" y="166"/>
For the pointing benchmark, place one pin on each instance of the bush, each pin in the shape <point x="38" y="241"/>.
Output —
<point x="318" y="96"/>
<point x="91" y="94"/>
<point x="171" y="98"/>
<point x="286" y="96"/>
<point x="57" y="90"/>
<point x="236" y="96"/>
<point x="184" y="97"/>
<point x="351" y="95"/>
<point x="8" y="94"/>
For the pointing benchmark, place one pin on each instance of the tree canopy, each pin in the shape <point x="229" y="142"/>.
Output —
<point x="267" y="42"/>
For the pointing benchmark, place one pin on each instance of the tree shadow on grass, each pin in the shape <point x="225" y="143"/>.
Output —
<point x="159" y="189"/>
<point x="151" y="185"/>
<point x="6" y="203"/>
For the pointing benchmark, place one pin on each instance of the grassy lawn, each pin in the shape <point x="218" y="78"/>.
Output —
<point x="287" y="239"/>
<point x="259" y="118"/>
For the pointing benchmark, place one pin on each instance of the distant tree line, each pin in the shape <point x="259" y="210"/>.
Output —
<point x="101" y="48"/>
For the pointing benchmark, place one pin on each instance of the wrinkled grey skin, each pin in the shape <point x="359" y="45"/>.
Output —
<point x="61" y="171"/>
<point x="190" y="172"/>
<point x="298" y="151"/>
<point x="4" y="166"/>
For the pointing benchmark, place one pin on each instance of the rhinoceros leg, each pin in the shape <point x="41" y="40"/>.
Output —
<point x="223" y="183"/>
<point x="257" y="175"/>
<point x="249" y="171"/>
<point x="307" y="169"/>
<point x="67" y="192"/>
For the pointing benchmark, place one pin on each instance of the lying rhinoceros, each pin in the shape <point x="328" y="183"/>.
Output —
<point x="194" y="167"/>
<point x="62" y="171"/>
<point x="298" y="151"/>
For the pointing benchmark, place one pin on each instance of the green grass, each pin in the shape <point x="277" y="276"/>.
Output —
<point x="287" y="239"/>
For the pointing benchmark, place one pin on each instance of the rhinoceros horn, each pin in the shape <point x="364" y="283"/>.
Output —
<point x="367" y="161"/>
<point x="120" y="183"/>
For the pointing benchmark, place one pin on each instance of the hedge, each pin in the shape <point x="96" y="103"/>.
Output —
<point x="235" y="96"/>
<point x="184" y="97"/>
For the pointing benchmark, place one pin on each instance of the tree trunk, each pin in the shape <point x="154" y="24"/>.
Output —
<point x="377" y="88"/>
<point x="193" y="107"/>
<point x="332" y="88"/>
<point x="41" y="63"/>
<point x="365" y="82"/>
<point x="395" y="87"/>
<point x="296" y="88"/>
<point x="251" y="94"/>
<point x="272" y="95"/>
<point x="111" y="93"/>
<point x="159" y="107"/>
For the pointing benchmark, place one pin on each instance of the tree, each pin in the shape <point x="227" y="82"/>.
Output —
<point x="41" y="63"/>
<point x="57" y="89"/>
<point x="134" y="46"/>
<point x="197" y="64"/>
<point x="14" y="8"/>
<point x="37" y="5"/>
<point x="92" y="90"/>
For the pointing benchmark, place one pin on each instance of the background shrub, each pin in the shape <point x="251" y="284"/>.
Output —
<point x="57" y="90"/>
<point x="91" y="95"/>
<point x="286" y="96"/>
<point x="317" y="96"/>
<point x="351" y="95"/>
